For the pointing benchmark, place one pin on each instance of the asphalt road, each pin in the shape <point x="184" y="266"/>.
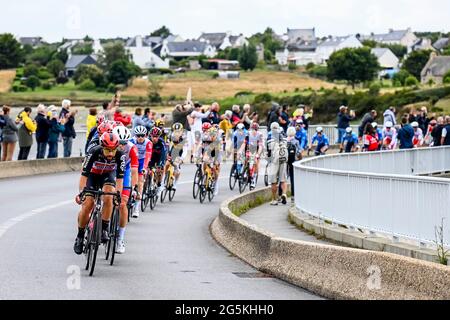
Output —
<point x="170" y="252"/>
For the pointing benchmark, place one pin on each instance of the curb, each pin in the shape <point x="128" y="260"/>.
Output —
<point x="37" y="167"/>
<point x="330" y="271"/>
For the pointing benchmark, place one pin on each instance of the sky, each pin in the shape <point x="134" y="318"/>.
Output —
<point x="55" y="19"/>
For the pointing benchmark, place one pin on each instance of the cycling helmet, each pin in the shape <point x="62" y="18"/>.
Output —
<point x="206" y="126"/>
<point x="349" y="130"/>
<point x="299" y="121"/>
<point x="389" y="124"/>
<point x="274" y="126"/>
<point x="140" y="130"/>
<point x="374" y="124"/>
<point x="415" y="124"/>
<point x="291" y="132"/>
<point x="109" y="140"/>
<point x="319" y="129"/>
<point x="156" y="132"/>
<point x="160" y="123"/>
<point x="100" y="119"/>
<point x="255" y="126"/>
<point x="177" y="127"/>
<point x="118" y="124"/>
<point x="123" y="133"/>
<point x="106" y="126"/>
<point x="240" y="126"/>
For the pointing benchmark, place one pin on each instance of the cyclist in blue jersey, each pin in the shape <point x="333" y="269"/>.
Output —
<point x="323" y="143"/>
<point x="349" y="141"/>
<point x="301" y="134"/>
<point x="239" y="137"/>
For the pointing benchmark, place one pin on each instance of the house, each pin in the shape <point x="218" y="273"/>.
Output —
<point x="441" y="44"/>
<point x="388" y="61"/>
<point x="174" y="38"/>
<point x="435" y="69"/>
<point x="31" y="41"/>
<point x="142" y="54"/>
<point x="69" y="44"/>
<point x="423" y="44"/>
<point x="300" y="48"/>
<point x="223" y="40"/>
<point x="405" y="38"/>
<point x="222" y="64"/>
<point x="260" y="52"/>
<point x="186" y="49"/>
<point x="97" y="47"/>
<point x="332" y="44"/>
<point x="75" y="61"/>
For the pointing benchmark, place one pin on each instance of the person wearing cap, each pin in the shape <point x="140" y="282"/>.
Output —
<point x="343" y="122"/>
<point x="405" y="135"/>
<point x="26" y="130"/>
<point x="445" y="139"/>
<point x="323" y="144"/>
<point x="349" y="141"/>
<point x="418" y="135"/>
<point x="43" y="126"/>
<point x="389" y="136"/>
<point x="301" y="135"/>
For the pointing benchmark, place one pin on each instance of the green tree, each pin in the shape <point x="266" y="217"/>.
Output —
<point x="90" y="72"/>
<point x="370" y="43"/>
<point x="111" y="53"/>
<point x="11" y="53"/>
<point x="154" y="89"/>
<point x="447" y="78"/>
<point x="411" y="81"/>
<point x="353" y="65"/>
<point x="85" y="48"/>
<point x="30" y="70"/>
<point x="163" y="32"/>
<point x="401" y="77"/>
<point x="41" y="55"/>
<point x="121" y="72"/>
<point x="55" y="67"/>
<point x="61" y="55"/>
<point x="233" y="54"/>
<point x="416" y="61"/>
<point x="248" y="58"/>
<point x="33" y="82"/>
<point x="269" y="39"/>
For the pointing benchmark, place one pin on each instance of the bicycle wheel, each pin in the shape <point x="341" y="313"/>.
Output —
<point x="87" y="245"/>
<point x="164" y="193"/>
<point x="153" y="195"/>
<point x="197" y="182"/>
<point x="266" y="176"/>
<point x="172" y="191"/>
<point x="145" y="194"/>
<point x="111" y="234"/>
<point x="115" y="235"/>
<point x="97" y="236"/>
<point x="203" y="190"/>
<point x="243" y="181"/>
<point x="233" y="177"/>
<point x="211" y="190"/>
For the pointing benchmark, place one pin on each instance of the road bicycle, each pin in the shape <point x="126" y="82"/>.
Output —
<point x="93" y="231"/>
<point x="208" y="183"/>
<point x="234" y="174"/>
<point x="169" y="180"/>
<point x="113" y="232"/>
<point x="150" y="191"/>
<point x="197" y="181"/>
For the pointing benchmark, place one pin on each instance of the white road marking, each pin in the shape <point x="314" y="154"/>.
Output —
<point x="5" y="226"/>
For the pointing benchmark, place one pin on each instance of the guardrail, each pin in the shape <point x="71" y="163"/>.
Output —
<point x="379" y="192"/>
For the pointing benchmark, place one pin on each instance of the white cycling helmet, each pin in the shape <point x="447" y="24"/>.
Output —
<point x="140" y="130"/>
<point x="349" y="130"/>
<point x="123" y="133"/>
<point x="389" y="124"/>
<point x="274" y="126"/>
<point x="240" y="126"/>
<point x="319" y="129"/>
<point x="415" y="124"/>
<point x="291" y="132"/>
<point x="374" y="124"/>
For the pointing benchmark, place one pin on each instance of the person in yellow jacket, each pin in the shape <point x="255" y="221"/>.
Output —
<point x="26" y="130"/>
<point x="227" y="127"/>
<point x="91" y="121"/>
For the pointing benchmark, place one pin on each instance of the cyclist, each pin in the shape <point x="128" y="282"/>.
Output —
<point x="418" y="135"/>
<point x="93" y="132"/>
<point x="158" y="158"/>
<point x="323" y="143"/>
<point x="389" y="136"/>
<point x="301" y="134"/>
<point x="145" y="148"/>
<point x="211" y="150"/>
<point x="106" y="126"/>
<point x="349" y="141"/>
<point x="103" y="168"/>
<point x="379" y="133"/>
<point x="239" y="136"/>
<point x="178" y="151"/>
<point x="130" y="180"/>
<point x="253" y="145"/>
<point x="370" y="139"/>
<point x="165" y="134"/>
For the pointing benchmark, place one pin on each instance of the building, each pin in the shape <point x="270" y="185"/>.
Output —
<point x="223" y="40"/>
<point x="31" y="41"/>
<point x="436" y="68"/>
<point x="332" y="44"/>
<point x="300" y="47"/>
<point x="441" y="44"/>
<point x="75" y="61"/>
<point x="143" y="55"/>
<point x="187" y="49"/>
<point x="222" y="64"/>
<point x="423" y="44"/>
<point x="405" y="38"/>
<point x="388" y="61"/>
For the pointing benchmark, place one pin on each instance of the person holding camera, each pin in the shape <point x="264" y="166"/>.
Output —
<point x="69" y="131"/>
<point x="343" y="122"/>
<point x="43" y="126"/>
<point x="26" y="130"/>
<point x="56" y="129"/>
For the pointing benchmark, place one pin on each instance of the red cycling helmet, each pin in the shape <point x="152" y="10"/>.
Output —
<point x="156" y="132"/>
<point x="100" y="119"/>
<point x="105" y="127"/>
<point x="110" y="141"/>
<point x="206" y="126"/>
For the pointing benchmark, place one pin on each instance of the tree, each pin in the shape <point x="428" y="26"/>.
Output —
<point x="248" y="58"/>
<point x="416" y="61"/>
<point x="153" y="91"/>
<point x="30" y="70"/>
<point x="61" y="55"/>
<point x="11" y="53"/>
<point x="55" y="67"/>
<point x="112" y="53"/>
<point x="353" y="65"/>
<point x="447" y="78"/>
<point x="41" y="55"/>
<point x="411" y="81"/>
<point x="121" y="72"/>
<point x="162" y="32"/>
<point x="33" y="82"/>
<point x="90" y="72"/>
<point x="233" y="54"/>
<point x="269" y="39"/>
<point x="85" y="48"/>
<point x="401" y="77"/>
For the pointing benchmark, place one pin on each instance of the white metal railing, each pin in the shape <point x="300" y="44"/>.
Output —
<point x="379" y="192"/>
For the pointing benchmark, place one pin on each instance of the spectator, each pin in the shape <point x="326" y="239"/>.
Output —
<point x="43" y="125"/>
<point x="428" y="138"/>
<point x="56" y="129"/>
<point x="247" y="117"/>
<point x="197" y="117"/>
<point x="275" y="106"/>
<point x="284" y="117"/>
<point x="445" y="140"/>
<point x="437" y="132"/>
<point x="2" y="124"/>
<point x="214" y="117"/>
<point x="413" y="116"/>
<point x="277" y="153"/>
<point x="309" y="113"/>
<point x="138" y="119"/>
<point x="405" y="135"/>
<point x="294" y="154"/>
<point x="423" y="120"/>
<point x="9" y="135"/>
<point x="91" y="121"/>
<point x="108" y="111"/>
<point x="370" y="139"/>
<point x="343" y="122"/>
<point x="149" y="119"/>
<point x="119" y="116"/>
<point x="236" y="117"/>
<point x="69" y="131"/>
<point x="275" y="114"/>
<point x="366" y="120"/>
<point x="26" y="130"/>
<point x="389" y="116"/>
<point x="298" y="115"/>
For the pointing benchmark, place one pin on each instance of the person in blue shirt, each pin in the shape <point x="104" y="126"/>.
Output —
<point x="405" y="135"/>
<point x="301" y="134"/>
<point x="379" y="134"/>
<point x="349" y="141"/>
<point x="323" y="143"/>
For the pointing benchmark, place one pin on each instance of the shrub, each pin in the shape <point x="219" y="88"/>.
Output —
<point x="43" y="74"/>
<point x="46" y="85"/>
<point x="160" y="71"/>
<point x="87" y="85"/>
<point x="411" y="81"/>
<point x="374" y="89"/>
<point x="447" y="78"/>
<point x="318" y="72"/>
<point x="243" y="93"/>
<point x="401" y="77"/>
<point x="32" y="82"/>
<point x="292" y="67"/>
<point x="30" y="70"/>
<point x="264" y="97"/>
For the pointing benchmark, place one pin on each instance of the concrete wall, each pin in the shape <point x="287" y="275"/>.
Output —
<point x="330" y="271"/>
<point x="35" y="167"/>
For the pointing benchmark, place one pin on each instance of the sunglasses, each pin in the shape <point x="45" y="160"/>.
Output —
<point x="140" y="136"/>
<point x="109" y="151"/>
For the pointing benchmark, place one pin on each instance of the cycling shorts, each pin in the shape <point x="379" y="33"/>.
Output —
<point x="98" y="181"/>
<point x="141" y="167"/>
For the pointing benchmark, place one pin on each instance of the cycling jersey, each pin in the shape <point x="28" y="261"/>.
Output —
<point x="370" y="142"/>
<point x="254" y="141"/>
<point x="321" y="140"/>
<point x="159" y="154"/>
<point x="239" y="138"/>
<point x="97" y="164"/>
<point x="418" y="137"/>
<point x="211" y="142"/>
<point x="179" y="146"/>
<point x="350" y="140"/>
<point x="390" y="137"/>
<point x="94" y="142"/>
<point x="302" y="137"/>
<point x="144" y="151"/>
<point x="132" y="162"/>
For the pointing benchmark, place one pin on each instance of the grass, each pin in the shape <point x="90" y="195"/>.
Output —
<point x="239" y="211"/>
<point x="444" y="104"/>
<point x="6" y="80"/>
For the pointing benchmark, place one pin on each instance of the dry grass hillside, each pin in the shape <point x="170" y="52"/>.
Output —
<point x="207" y="88"/>
<point x="6" y="80"/>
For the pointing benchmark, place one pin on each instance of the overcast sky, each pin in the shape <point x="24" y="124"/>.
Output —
<point x="55" y="19"/>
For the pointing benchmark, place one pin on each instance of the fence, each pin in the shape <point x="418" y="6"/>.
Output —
<point x="379" y="192"/>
